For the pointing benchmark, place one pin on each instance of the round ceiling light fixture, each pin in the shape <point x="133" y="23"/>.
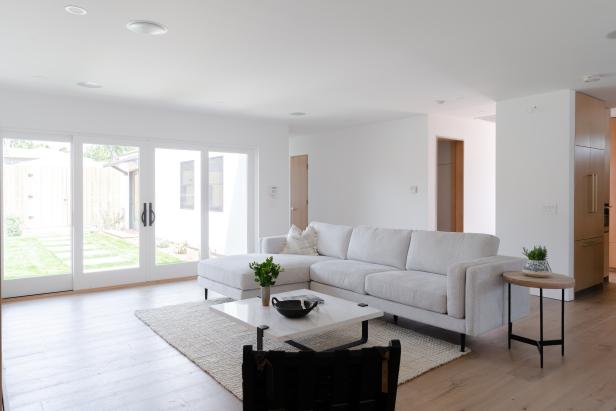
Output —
<point x="147" y="27"/>
<point x="76" y="10"/>
<point x="297" y="113"/>
<point x="89" y="84"/>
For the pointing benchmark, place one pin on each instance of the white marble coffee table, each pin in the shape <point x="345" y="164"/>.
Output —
<point x="334" y="313"/>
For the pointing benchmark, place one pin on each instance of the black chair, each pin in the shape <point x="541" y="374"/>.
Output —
<point x="365" y="379"/>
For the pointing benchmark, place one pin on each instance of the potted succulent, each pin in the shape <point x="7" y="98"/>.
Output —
<point x="537" y="260"/>
<point x="266" y="274"/>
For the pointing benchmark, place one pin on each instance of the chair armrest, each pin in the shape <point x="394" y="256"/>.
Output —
<point x="273" y="244"/>
<point x="486" y="295"/>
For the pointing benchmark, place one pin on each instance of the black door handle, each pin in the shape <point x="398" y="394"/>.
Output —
<point x="152" y="214"/>
<point x="143" y="215"/>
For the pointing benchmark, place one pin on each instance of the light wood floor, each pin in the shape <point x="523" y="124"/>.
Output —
<point x="89" y="352"/>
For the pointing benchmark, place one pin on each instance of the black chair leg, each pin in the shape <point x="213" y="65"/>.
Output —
<point x="395" y="319"/>
<point x="462" y="342"/>
<point x="205" y="292"/>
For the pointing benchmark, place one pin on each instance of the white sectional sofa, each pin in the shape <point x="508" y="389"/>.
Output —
<point x="448" y="280"/>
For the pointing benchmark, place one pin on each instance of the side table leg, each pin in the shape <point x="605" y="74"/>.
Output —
<point x="541" y="325"/>
<point x="510" y="326"/>
<point x="562" y="324"/>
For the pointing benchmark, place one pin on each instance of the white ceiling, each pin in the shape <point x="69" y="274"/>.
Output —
<point x="343" y="62"/>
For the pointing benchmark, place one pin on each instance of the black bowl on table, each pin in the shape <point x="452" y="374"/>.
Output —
<point x="293" y="308"/>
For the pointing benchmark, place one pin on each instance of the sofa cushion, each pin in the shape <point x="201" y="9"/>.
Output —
<point x="332" y="239"/>
<point x="379" y="246"/>
<point x="414" y="288"/>
<point x="233" y="270"/>
<point x="436" y="251"/>
<point x="347" y="274"/>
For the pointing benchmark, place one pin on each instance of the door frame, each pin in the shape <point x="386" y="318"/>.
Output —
<point x="458" y="182"/>
<point x="147" y="269"/>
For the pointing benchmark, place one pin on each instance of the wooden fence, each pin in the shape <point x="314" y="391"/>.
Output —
<point x="39" y="195"/>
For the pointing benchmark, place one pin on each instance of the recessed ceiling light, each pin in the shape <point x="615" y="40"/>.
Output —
<point x="89" y="84"/>
<point x="591" y="78"/>
<point x="611" y="35"/>
<point x="297" y="113"/>
<point x="146" y="27"/>
<point x="76" y="10"/>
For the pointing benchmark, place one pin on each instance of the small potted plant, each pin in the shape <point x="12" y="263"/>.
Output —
<point x="537" y="263"/>
<point x="266" y="274"/>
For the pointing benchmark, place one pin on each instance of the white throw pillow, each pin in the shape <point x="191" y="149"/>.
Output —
<point x="301" y="242"/>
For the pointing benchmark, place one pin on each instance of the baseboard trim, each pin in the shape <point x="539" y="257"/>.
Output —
<point x="98" y="289"/>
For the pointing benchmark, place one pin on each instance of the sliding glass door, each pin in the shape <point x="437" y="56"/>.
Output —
<point x="97" y="212"/>
<point x="178" y="227"/>
<point x="37" y="240"/>
<point x="110" y="235"/>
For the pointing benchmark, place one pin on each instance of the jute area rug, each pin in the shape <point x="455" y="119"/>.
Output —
<point x="215" y="343"/>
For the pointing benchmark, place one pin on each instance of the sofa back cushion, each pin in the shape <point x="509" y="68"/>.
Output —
<point x="379" y="246"/>
<point x="332" y="239"/>
<point x="436" y="251"/>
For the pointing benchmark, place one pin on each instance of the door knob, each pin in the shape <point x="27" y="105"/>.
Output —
<point x="293" y="209"/>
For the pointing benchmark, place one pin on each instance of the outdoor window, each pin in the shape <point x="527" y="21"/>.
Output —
<point x="216" y="184"/>
<point x="187" y="185"/>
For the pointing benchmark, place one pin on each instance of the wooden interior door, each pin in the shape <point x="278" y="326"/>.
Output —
<point x="299" y="191"/>
<point x="450" y="185"/>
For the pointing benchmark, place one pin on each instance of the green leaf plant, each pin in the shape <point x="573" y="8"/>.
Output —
<point x="266" y="272"/>
<point x="537" y="253"/>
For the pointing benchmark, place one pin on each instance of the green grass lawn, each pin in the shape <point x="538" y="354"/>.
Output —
<point x="28" y="256"/>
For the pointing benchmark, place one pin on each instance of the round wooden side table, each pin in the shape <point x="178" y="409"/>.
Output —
<point x="554" y="281"/>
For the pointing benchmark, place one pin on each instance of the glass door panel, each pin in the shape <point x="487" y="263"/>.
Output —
<point x="37" y="243"/>
<point x="178" y="205"/>
<point x="111" y="207"/>
<point x="37" y="208"/>
<point x="228" y="203"/>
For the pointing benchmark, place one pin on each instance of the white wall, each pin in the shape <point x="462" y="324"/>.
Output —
<point x="28" y="110"/>
<point x="479" y="169"/>
<point x="534" y="176"/>
<point x="363" y="175"/>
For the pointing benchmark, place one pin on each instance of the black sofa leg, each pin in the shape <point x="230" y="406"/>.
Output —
<point x="462" y="342"/>
<point x="395" y="319"/>
<point x="205" y="294"/>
